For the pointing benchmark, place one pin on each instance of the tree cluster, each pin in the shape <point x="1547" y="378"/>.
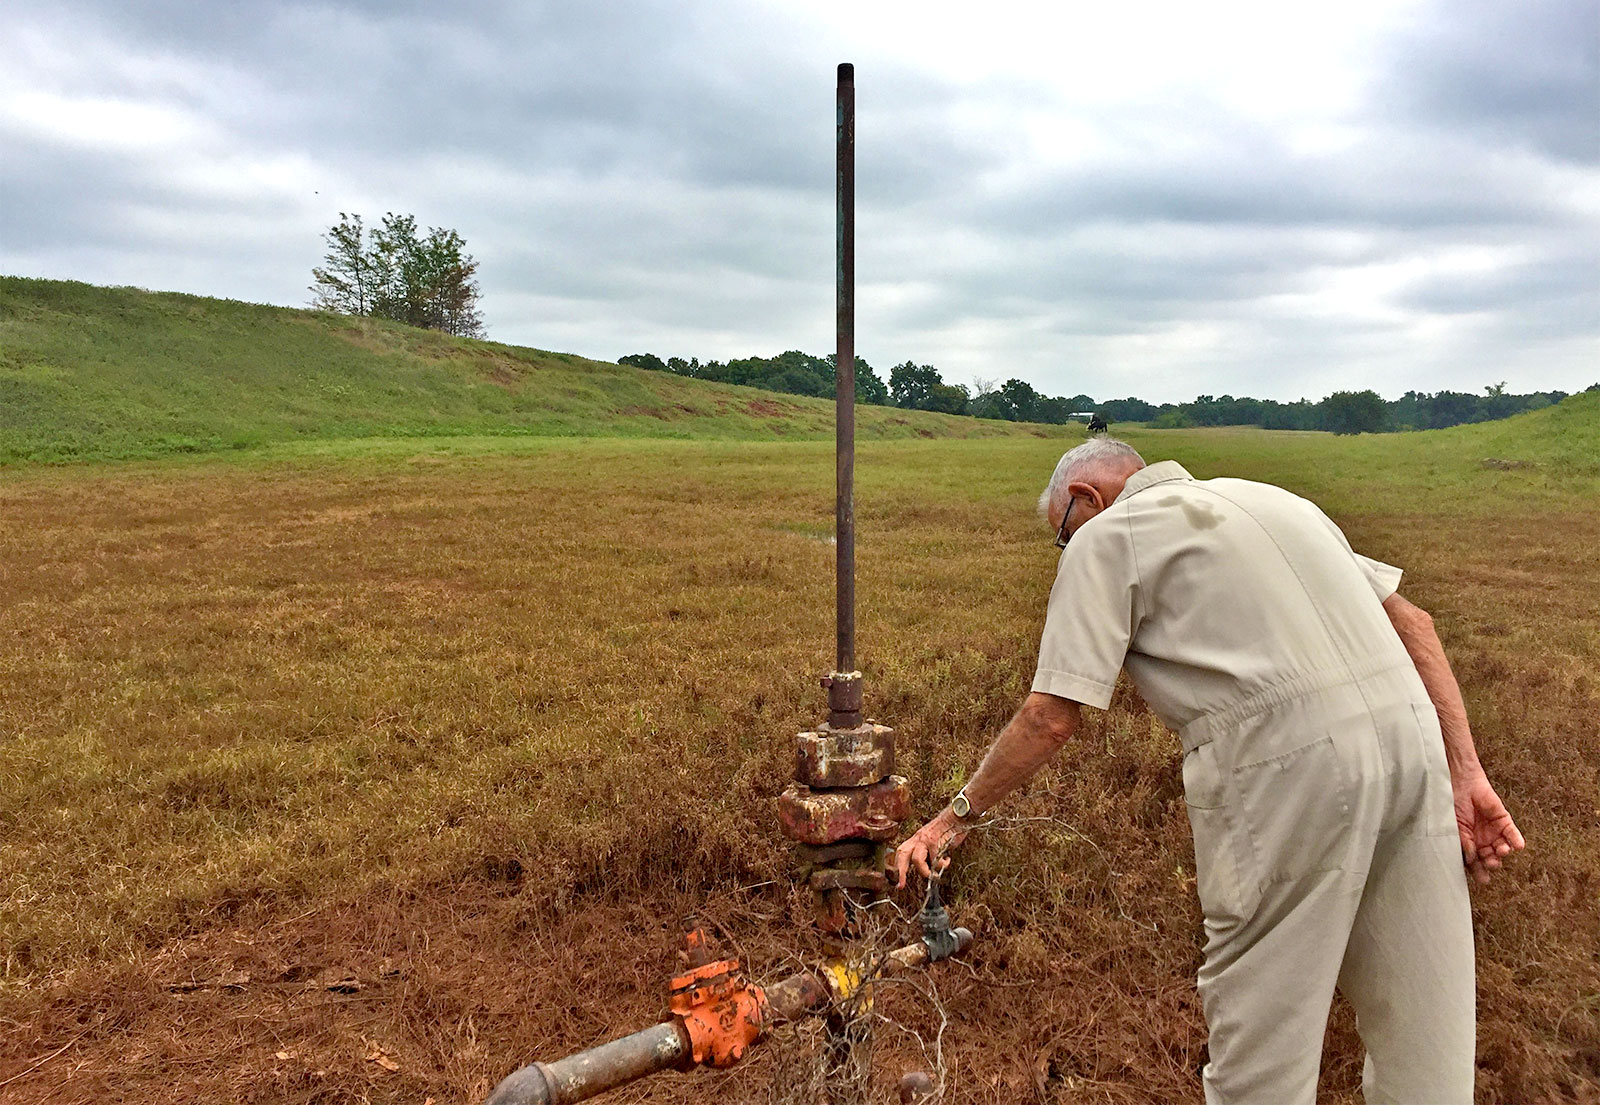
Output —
<point x="921" y="387"/>
<point x="1417" y="410"/>
<point x="1343" y="412"/>
<point x="794" y="373"/>
<point x="394" y="272"/>
<point x="1017" y="401"/>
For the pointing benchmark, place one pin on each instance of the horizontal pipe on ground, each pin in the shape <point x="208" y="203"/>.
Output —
<point x="666" y="1046"/>
<point x="582" y="1076"/>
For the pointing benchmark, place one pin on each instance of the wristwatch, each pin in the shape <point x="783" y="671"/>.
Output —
<point x="961" y="807"/>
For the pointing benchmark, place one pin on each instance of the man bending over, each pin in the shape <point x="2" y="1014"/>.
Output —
<point x="1328" y="769"/>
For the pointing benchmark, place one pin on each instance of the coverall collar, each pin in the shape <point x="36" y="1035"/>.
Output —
<point x="1162" y="471"/>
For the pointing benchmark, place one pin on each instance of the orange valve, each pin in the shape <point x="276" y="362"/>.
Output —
<point x="720" y="1010"/>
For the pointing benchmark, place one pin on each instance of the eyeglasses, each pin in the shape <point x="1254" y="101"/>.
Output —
<point x="1062" y="536"/>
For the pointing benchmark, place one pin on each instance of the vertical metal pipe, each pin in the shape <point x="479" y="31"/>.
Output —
<point x="846" y="1046"/>
<point x="845" y="375"/>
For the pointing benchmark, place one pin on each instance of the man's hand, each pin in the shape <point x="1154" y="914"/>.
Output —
<point x="1487" y="831"/>
<point x="926" y="849"/>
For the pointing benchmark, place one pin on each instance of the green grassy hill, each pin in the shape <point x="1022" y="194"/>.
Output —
<point x="1565" y="436"/>
<point x="1544" y="456"/>
<point x="90" y="373"/>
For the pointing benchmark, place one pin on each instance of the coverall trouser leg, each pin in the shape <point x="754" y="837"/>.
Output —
<point x="1326" y="856"/>
<point x="1408" y="973"/>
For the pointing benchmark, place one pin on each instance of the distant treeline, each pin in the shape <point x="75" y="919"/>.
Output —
<point x="920" y="387"/>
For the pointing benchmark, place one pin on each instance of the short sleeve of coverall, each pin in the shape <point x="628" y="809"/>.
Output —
<point x="1384" y="579"/>
<point x="1092" y="616"/>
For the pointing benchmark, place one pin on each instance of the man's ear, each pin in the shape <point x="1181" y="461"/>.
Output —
<point x="1089" y="492"/>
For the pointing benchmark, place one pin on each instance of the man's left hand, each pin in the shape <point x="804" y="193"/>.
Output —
<point x="1487" y="832"/>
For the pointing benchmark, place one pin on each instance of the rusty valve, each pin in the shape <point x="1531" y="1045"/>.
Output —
<point x="721" y="1012"/>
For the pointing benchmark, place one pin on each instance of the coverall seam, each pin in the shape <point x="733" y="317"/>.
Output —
<point x="1311" y="598"/>
<point x="1202" y="729"/>
<point x="1322" y="619"/>
<point x="1138" y="574"/>
<point x="1361" y="690"/>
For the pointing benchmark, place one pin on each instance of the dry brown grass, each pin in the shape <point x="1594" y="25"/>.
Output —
<point x="309" y="768"/>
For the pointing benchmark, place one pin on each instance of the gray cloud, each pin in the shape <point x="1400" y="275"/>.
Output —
<point x="1244" y="183"/>
<point x="1524" y="74"/>
<point x="659" y="176"/>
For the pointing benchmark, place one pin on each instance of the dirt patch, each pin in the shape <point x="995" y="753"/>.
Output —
<point x="502" y="375"/>
<point x="441" y="993"/>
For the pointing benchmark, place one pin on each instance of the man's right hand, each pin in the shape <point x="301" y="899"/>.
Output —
<point x="927" y="848"/>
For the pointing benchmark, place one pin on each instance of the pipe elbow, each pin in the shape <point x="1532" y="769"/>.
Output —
<point x="527" y="1086"/>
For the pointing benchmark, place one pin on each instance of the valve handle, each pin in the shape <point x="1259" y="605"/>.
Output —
<point x="937" y="935"/>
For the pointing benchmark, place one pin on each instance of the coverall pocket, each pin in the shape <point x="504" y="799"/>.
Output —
<point x="1439" y="804"/>
<point x="1296" y="810"/>
<point x="1203" y="787"/>
<point x="1218" y="879"/>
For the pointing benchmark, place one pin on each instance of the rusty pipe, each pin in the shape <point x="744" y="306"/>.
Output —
<point x="801" y="993"/>
<point x="922" y="952"/>
<point x="666" y="1046"/>
<point x="845" y="376"/>
<point x="582" y="1076"/>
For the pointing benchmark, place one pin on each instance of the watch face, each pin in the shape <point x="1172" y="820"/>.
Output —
<point x="960" y="806"/>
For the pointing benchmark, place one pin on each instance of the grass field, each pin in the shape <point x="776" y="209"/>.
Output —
<point x="328" y="758"/>
<point x="90" y="373"/>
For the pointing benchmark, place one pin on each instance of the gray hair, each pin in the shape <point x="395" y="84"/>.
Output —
<point x="1096" y="457"/>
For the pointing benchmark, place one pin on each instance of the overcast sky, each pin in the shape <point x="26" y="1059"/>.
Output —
<point x="1153" y="199"/>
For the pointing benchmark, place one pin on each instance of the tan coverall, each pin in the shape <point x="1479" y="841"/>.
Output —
<point x="1325" y="841"/>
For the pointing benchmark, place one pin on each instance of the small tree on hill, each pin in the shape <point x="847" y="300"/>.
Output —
<point x="344" y="280"/>
<point x="1023" y="400"/>
<point x="421" y="280"/>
